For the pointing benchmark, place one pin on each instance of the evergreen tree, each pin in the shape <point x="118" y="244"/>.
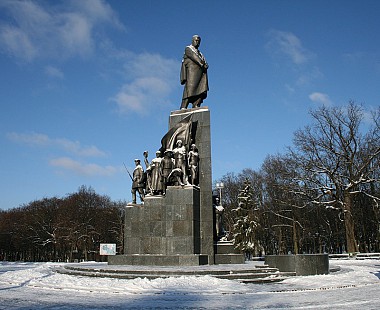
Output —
<point x="246" y="221"/>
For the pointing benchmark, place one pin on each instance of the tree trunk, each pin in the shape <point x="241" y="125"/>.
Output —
<point x="85" y="252"/>
<point x="281" y="249"/>
<point x="295" y="239"/>
<point x="352" y="246"/>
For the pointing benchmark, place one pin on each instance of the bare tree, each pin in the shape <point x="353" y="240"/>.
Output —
<point x="55" y="228"/>
<point x="338" y="158"/>
<point x="86" y="218"/>
<point x="285" y="208"/>
<point x="42" y="226"/>
<point x="232" y="185"/>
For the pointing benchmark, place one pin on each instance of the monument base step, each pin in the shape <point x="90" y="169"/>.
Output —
<point x="229" y="259"/>
<point x="159" y="260"/>
<point x="245" y="273"/>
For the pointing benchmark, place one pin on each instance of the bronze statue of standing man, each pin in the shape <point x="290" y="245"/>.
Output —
<point x="138" y="184"/>
<point x="194" y="75"/>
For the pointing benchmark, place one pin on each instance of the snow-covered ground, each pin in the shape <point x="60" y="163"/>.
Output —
<point x="37" y="286"/>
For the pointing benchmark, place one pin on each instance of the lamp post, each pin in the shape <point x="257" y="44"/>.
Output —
<point x="219" y="186"/>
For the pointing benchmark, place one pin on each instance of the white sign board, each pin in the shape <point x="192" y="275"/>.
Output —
<point x="108" y="249"/>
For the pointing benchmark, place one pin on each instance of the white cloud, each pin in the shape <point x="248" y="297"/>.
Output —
<point x="288" y="48"/>
<point x="79" y="168"/>
<point x="54" y="72"/>
<point x="153" y="78"/>
<point x="30" y="139"/>
<point x="76" y="148"/>
<point x="16" y="42"/>
<point x="49" y="30"/>
<point x="290" y="88"/>
<point x="151" y="64"/>
<point x="73" y="147"/>
<point x="321" y="98"/>
<point x="368" y="116"/>
<point x="97" y="10"/>
<point x="309" y="76"/>
<point x="74" y="31"/>
<point x="288" y="44"/>
<point x="52" y="30"/>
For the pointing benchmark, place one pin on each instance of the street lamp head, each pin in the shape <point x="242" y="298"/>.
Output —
<point x="220" y="185"/>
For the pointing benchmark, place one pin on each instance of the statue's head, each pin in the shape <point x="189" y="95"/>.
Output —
<point x="137" y="161"/>
<point x="158" y="154"/>
<point x="196" y="41"/>
<point x="179" y="143"/>
<point x="168" y="153"/>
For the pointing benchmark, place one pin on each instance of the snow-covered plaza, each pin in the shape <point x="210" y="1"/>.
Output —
<point x="38" y="286"/>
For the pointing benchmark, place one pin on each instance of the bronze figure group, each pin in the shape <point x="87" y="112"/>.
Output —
<point x="175" y="167"/>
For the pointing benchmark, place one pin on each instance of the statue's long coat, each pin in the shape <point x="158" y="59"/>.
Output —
<point x="156" y="182"/>
<point x="138" y="177"/>
<point x="166" y="166"/>
<point x="193" y="73"/>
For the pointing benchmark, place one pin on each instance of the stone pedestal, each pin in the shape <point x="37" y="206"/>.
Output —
<point x="158" y="260"/>
<point x="166" y="225"/>
<point x="201" y="116"/>
<point x="301" y="264"/>
<point x="225" y="253"/>
<point x="176" y="229"/>
<point x="165" y="230"/>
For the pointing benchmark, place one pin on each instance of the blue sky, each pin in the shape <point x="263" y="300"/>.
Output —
<point x="87" y="85"/>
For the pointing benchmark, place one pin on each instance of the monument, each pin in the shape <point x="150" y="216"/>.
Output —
<point x="194" y="75"/>
<point x="174" y="223"/>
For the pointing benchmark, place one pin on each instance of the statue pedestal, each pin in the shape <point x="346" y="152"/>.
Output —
<point x="166" y="225"/>
<point x="225" y="253"/>
<point x="164" y="231"/>
<point x="201" y="120"/>
<point x="176" y="229"/>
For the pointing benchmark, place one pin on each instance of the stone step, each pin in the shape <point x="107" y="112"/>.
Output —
<point x="255" y="275"/>
<point x="244" y="275"/>
<point x="262" y="280"/>
<point x="262" y="266"/>
<point x="175" y="271"/>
